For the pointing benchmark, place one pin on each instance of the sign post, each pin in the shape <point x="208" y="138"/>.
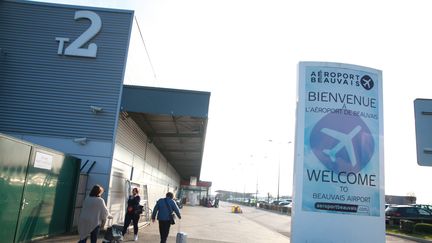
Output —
<point x="339" y="177"/>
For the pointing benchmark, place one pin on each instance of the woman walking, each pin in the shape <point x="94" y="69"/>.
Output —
<point x="131" y="214"/>
<point x="93" y="213"/>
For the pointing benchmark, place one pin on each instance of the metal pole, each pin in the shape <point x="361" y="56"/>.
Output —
<point x="278" y="178"/>
<point x="244" y="193"/>
<point x="256" y="194"/>
<point x="279" y="169"/>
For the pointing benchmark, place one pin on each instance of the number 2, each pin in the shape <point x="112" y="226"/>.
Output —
<point x="76" y="47"/>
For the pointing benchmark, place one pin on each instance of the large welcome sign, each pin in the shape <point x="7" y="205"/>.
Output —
<point x="339" y="179"/>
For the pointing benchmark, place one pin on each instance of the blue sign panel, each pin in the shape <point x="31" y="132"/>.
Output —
<point x="342" y="112"/>
<point x="423" y="121"/>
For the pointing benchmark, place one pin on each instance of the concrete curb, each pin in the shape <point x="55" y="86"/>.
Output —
<point x="406" y="237"/>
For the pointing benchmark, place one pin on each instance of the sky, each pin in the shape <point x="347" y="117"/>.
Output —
<point x="246" y="52"/>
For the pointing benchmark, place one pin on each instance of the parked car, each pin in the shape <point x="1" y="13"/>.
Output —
<point x="276" y="202"/>
<point x="425" y="206"/>
<point x="407" y="212"/>
<point x="284" y="203"/>
<point x="179" y="203"/>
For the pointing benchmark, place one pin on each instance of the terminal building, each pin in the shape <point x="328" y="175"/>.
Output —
<point x="61" y="88"/>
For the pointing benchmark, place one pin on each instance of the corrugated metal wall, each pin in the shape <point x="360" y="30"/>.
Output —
<point x="42" y="92"/>
<point x="149" y="166"/>
<point x="46" y="97"/>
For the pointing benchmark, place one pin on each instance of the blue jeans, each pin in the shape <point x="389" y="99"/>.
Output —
<point x="93" y="236"/>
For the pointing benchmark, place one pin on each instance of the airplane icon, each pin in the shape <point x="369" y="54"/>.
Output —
<point x="367" y="83"/>
<point x="345" y="140"/>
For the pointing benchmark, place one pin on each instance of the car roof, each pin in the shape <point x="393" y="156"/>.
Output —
<point x="402" y="206"/>
<point x="408" y="206"/>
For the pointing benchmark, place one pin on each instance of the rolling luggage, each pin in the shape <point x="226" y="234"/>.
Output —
<point x="181" y="236"/>
<point x="113" y="233"/>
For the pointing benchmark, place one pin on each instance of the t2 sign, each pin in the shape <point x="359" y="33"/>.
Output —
<point x="76" y="47"/>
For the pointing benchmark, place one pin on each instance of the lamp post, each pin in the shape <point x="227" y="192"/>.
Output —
<point x="278" y="175"/>
<point x="278" y="184"/>
<point x="256" y="172"/>
<point x="256" y="193"/>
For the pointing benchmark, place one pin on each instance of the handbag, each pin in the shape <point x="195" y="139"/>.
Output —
<point x="172" y="214"/>
<point x="139" y="209"/>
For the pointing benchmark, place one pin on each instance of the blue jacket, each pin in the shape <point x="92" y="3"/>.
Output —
<point x="163" y="212"/>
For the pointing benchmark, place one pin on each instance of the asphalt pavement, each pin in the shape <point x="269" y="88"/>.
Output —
<point x="220" y="225"/>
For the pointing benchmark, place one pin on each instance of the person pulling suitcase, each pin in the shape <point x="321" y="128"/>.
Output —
<point x="164" y="209"/>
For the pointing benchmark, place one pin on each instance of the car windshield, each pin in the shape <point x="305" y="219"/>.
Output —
<point x="424" y="212"/>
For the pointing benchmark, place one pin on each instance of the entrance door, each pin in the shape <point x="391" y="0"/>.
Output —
<point x="14" y="157"/>
<point x="48" y="196"/>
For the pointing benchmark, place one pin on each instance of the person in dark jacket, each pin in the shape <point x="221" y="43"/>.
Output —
<point x="164" y="209"/>
<point x="133" y="203"/>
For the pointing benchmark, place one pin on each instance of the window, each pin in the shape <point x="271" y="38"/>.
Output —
<point x="424" y="212"/>
<point x="411" y="211"/>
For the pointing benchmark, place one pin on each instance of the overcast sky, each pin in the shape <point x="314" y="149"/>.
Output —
<point x="245" y="52"/>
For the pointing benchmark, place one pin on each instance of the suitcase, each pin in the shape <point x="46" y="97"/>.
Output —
<point x="113" y="234"/>
<point x="181" y="237"/>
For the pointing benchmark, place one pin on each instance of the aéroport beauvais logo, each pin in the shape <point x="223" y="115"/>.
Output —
<point x="367" y="82"/>
<point x="342" y="143"/>
<point x="342" y="78"/>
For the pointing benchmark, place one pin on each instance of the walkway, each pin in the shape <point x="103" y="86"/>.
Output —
<point x="219" y="225"/>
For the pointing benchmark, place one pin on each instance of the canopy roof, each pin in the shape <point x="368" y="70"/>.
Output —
<point x="175" y="121"/>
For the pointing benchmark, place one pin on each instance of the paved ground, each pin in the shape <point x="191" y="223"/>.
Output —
<point x="219" y="225"/>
